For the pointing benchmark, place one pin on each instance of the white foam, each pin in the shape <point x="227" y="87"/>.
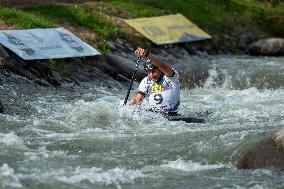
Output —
<point x="8" y="177"/>
<point x="99" y="175"/>
<point x="10" y="139"/>
<point x="262" y="172"/>
<point x="190" y="166"/>
<point x="91" y="114"/>
<point x="42" y="152"/>
<point x="211" y="80"/>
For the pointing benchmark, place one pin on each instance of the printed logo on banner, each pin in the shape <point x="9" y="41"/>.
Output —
<point x="168" y="29"/>
<point x="68" y="39"/>
<point x="19" y="44"/>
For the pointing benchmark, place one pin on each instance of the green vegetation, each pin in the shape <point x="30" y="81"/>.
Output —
<point x="24" y="20"/>
<point x="57" y="66"/>
<point x="130" y="9"/>
<point x="221" y="16"/>
<point x="269" y="17"/>
<point x="217" y="17"/>
<point x="76" y="16"/>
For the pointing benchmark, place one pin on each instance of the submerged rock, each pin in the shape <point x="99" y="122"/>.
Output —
<point x="268" y="47"/>
<point x="267" y="153"/>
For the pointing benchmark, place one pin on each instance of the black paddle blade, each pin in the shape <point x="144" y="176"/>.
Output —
<point x="186" y="119"/>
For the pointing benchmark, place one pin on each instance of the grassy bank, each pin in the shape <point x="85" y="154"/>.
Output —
<point x="222" y="15"/>
<point x="23" y="19"/>
<point x="219" y="18"/>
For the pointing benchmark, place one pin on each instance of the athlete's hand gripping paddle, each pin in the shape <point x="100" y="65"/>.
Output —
<point x="132" y="79"/>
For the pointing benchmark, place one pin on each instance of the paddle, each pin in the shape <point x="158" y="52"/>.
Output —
<point x="132" y="79"/>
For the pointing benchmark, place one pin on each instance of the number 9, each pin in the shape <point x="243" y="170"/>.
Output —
<point x="158" y="98"/>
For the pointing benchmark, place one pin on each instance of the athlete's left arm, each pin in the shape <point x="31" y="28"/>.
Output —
<point x="165" y="68"/>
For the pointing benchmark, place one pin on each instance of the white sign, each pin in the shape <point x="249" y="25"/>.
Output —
<point x="49" y="43"/>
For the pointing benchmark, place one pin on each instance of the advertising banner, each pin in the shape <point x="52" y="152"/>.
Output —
<point x="34" y="44"/>
<point x="168" y="29"/>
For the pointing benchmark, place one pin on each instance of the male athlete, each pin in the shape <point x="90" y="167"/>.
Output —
<point x="161" y="85"/>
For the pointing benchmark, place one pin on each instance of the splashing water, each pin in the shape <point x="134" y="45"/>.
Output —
<point x="88" y="139"/>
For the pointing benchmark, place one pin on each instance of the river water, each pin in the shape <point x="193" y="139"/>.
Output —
<point x="85" y="138"/>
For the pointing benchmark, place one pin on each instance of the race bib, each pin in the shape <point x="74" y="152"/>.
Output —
<point x="158" y="88"/>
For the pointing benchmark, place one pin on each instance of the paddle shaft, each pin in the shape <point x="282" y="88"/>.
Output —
<point x="132" y="79"/>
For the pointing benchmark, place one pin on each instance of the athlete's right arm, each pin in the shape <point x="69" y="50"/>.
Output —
<point x="138" y="98"/>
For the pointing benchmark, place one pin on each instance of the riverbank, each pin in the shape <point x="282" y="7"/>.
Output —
<point x="113" y="67"/>
<point x="234" y="25"/>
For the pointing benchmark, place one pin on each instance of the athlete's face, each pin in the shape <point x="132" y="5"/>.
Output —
<point x="154" y="74"/>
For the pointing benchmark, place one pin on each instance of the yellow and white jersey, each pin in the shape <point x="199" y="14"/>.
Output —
<point x="164" y="96"/>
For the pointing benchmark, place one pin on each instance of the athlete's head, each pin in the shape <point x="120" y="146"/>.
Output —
<point x="153" y="72"/>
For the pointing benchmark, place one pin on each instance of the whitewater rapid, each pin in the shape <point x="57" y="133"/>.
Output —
<point x="86" y="138"/>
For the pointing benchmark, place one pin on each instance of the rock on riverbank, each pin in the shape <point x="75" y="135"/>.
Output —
<point x="267" y="153"/>
<point x="268" y="47"/>
<point x="110" y="69"/>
